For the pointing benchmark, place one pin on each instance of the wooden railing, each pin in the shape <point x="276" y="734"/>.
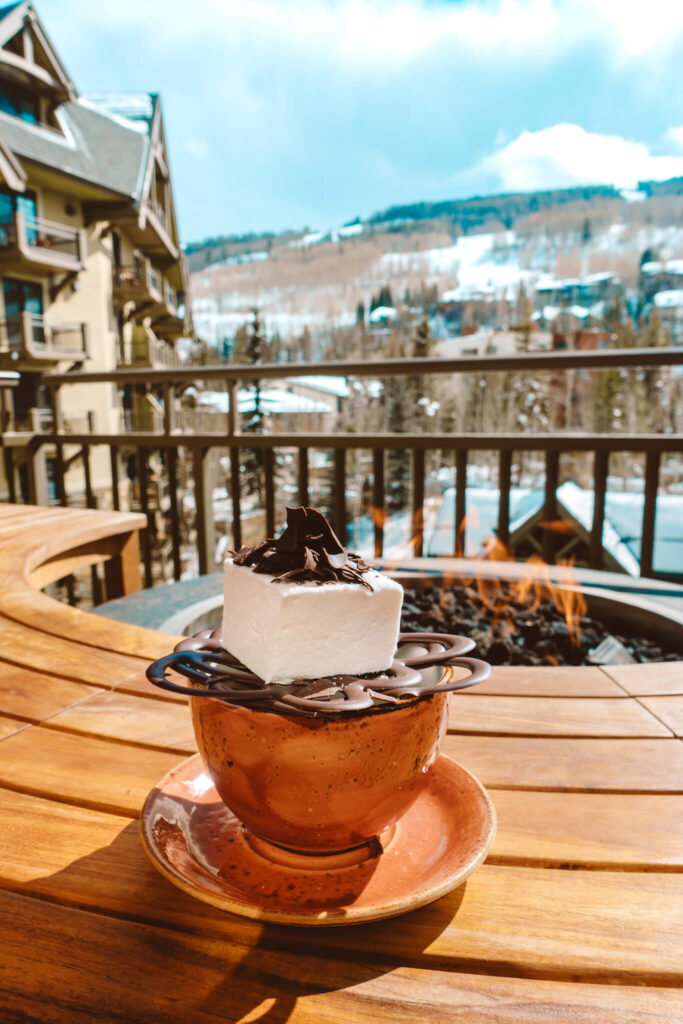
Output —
<point x="169" y="441"/>
<point x="31" y="337"/>
<point x="43" y="241"/>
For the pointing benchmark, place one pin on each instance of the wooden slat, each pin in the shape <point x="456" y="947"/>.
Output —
<point x="554" y="716"/>
<point x="504" y="476"/>
<point x="8" y="459"/>
<point x="303" y="476"/>
<point x="666" y="677"/>
<point x="160" y="724"/>
<point x="161" y="977"/>
<point x="600" y="467"/>
<point x="145" y="539"/>
<point x="339" y="501"/>
<point x="556" y="681"/>
<point x="668" y="710"/>
<point x="10" y="726"/>
<point x="418" y="474"/>
<point x="203" y="522"/>
<point x="634" y="831"/>
<point x="612" y="924"/>
<point x="647" y="543"/>
<point x="552" y="473"/>
<point x="582" y="765"/>
<point x="79" y="769"/>
<point x="90" y="499"/>
<point x="378" y="500"/>
<point x="171" y="460"/>
<point x="35" y="695"/>
<point x="46" y="653"/>
<point x="460" y="502"/>
<point x="114" y="466"/>
<point x="138" y="684"/>
<point x="269" y="476"/>
<point x="235" y="497"/>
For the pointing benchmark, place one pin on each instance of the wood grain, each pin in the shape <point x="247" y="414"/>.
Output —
<point x="554" y="716"/>
<point x="648" y="680"/>
<point x="669" y="710"/>
<point x="35" y="695"/>
<point x="10" y="726"/>
<point x="560" y="681"/>
<point x="643" y="832"/>
<point x="75" y="967"/>
<point x="590" y="765"/>
<point x="79" y="769"/>
<point x="161" y="724"/>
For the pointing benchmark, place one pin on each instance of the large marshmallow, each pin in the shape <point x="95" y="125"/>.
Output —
<point x="288" y="631"/>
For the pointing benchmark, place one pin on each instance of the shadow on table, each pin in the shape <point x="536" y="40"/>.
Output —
<point x="179" y="959"/>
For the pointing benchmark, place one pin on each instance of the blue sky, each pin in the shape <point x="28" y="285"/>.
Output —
<point x="285" y="113"/>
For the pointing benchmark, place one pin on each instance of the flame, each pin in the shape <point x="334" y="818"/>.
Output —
<point x="534" y="585"/>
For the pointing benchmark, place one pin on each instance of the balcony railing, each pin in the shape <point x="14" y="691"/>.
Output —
<point x="137" y="282"/>
<point x="378" y="448"/>
<point x="29" y="338"/>
<point x="40" y="245"/>
<point x="146" y="349"/>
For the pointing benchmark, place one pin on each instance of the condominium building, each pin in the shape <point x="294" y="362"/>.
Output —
<point x="91" y="270"/>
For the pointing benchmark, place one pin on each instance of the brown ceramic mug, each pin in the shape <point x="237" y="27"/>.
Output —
<point x="331" y="782"/>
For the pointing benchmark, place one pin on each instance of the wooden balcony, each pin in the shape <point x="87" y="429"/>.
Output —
<point x="146" y="349"/>
<point x="28" y="342"/>
<point x="147" y="229"/>
<point x="287" y="460"/>
<point x="140" y="283"/>
<point x="38" y="246"/>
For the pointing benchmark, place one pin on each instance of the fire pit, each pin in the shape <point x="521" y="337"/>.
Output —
<point x="525" y="618"/>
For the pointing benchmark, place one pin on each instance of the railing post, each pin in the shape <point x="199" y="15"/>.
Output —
<point x="144" y="508"/>
<point x="418" y="501"/>
<point x="647" y="541"/>
<point x="8" y="459"/>
<point x="504" y="474"/>
<point x="552" y="471"/>
<point x="114" y="461"/>
<point x="269" y="475"/>
<point x="378" y="499"/>
<point x="232" y="407"/>
<point x="303" y="476"/>
<point x="600" y="469"/>
<point x="172" y="472"/>
<point x="235" y="495"/>
<point x="340" y="493"/>
<point x="58" y="427"/>
<point x="169" y="409"/>
<point x="203" y="496"/>
<point x="460" y="502"/>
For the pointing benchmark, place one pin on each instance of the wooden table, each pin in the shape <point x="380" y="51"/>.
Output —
<point x="577" y="916"/>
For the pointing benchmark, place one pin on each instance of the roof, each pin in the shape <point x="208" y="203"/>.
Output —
<point x="622" y="526"/>
<point x="94" y="147"/>
<point x="671" y="299"/>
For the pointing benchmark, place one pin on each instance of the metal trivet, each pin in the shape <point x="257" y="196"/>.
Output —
<point x="202" y="659"/>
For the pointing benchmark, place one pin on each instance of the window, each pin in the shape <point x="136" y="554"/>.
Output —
<point x="22" y="297"/>
<point x="25" y="203"/>
<point x="18" y="103"/>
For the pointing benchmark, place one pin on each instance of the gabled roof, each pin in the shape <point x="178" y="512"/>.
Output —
<point x="93" y="147"/>
<point x="47" y="67"/>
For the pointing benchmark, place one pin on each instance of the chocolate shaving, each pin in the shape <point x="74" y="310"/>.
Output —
<point x="308" y="551"/>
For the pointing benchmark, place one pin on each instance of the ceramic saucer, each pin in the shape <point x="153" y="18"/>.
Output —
<point x="197" y="843"/>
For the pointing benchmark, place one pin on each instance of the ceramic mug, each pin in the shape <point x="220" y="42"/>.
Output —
<point x="329" y="782"/>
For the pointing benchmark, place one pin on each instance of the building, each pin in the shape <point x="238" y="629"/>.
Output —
<point x="91" y="270"/>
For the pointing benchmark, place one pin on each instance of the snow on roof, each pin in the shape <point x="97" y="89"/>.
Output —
<point x="671" y="299"/>
<point x="622" y="524"/>
<point x="382" y="313"/>
<point x="273" y="401"/>
<point x="132" y="110"/>
<point x="338" y="386"/>
<point x="658" y="267"/>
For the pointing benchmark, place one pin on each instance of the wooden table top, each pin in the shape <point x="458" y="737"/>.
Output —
<point x="577" y="915"/>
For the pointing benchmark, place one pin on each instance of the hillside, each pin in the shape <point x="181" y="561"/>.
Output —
<point x="492" y="245"/>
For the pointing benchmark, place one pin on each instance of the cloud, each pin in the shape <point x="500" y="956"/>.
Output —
<point x="566" y="155"/>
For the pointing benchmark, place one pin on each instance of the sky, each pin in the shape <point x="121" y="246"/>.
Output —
<point x="307" y="113"/>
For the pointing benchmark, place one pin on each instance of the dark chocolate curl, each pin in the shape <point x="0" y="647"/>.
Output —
<point x="308" y="551"/>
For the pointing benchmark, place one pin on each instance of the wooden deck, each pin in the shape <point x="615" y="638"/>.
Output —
<point x="576" y="915"/>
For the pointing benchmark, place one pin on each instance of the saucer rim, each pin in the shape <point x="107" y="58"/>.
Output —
<point x="328" y="918"/>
